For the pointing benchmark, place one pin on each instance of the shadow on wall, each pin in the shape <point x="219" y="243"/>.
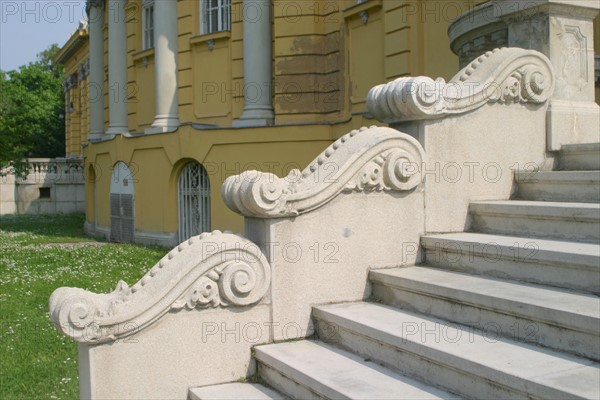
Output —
<point x="52" y="186"/>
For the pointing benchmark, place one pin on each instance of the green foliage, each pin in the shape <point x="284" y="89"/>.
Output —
<point x="37" y="255"/>
<point x="32" y="110"/>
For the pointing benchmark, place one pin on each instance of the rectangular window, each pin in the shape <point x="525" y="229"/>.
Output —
<point x="216" y="15"/>
<point x="148" y="24"/>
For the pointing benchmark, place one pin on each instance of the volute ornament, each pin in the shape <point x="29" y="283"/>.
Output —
<point x="508" y="75"/>
<point x="375" y="159"/>
<point x="211" y="270"/>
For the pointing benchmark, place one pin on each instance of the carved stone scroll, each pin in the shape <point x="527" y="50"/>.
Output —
<point x="211" y="270"/>
<point x="364" y="160"/>
<point x="507" y="75"/>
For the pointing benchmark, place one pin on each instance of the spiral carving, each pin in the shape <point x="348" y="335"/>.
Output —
<point x="77" y="316"/>
<point x="504" y="75"/>
<point x="355" y="162"/>
<point x="537" y="86"/>
<point x="402" y="170"/>
<point x="210" y="270"/>
<point x="267" y="191"/>
<point x="241" y="284"/>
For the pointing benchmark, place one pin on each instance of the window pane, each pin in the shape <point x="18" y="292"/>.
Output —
<point x="148" y="25"/>
<point x="216" y="15"/>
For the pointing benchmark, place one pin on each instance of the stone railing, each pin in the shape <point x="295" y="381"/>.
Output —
<point x="211" y="270"/>
<point x="486" y="122"/>
<point x="312" y="237"/>
<point x="505" y="76"/>
<point x="61" y="180"/>
<point x="51" y="169"/>
<point x="358" y="206"/>
<point x="365" y="160"/>
<point x="213" y="297"/>
<point x="207" y="299"/>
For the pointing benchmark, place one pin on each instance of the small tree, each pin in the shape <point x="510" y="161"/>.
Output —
<point x="31" y="110"/>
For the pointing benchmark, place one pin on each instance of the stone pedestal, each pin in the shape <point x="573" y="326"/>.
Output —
<point x="560" y="29"/>
<point x="564" y="32"/>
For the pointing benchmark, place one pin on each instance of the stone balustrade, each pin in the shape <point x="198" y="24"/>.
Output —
<point x="42" y="186"/>
<point x="312" y="237"/>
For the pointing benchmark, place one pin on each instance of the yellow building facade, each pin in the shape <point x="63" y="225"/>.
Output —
<point x="166" y="99"/>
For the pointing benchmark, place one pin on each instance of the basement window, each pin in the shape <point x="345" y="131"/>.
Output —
<point x="44" y="193"/>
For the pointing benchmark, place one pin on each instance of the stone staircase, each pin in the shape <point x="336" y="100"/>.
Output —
<point x="507" y="310"/>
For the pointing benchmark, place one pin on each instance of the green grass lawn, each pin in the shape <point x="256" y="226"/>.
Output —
<point x="37" y="255"/>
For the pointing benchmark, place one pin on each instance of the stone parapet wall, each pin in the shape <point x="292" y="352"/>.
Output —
<point x="51" y="186"/>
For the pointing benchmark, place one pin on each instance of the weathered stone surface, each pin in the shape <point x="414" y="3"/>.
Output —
<point x="368" y="160"/>
<point x="182" y="350"/>
<point x="505" y="76"/>
<point x="211" y="270"/>
<point x="560" y="29"/>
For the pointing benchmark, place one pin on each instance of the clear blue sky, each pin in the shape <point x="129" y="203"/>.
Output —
<point x="28" y="27"/>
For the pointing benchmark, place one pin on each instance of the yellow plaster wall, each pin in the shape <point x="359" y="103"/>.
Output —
<point x="155" y="161"/>
<point x="309" y="62"/>
<point x="318" y="52"/>
<point x="325" y="59"/>
<point x="90" y="192"/>
<point x="76" y="122"/>
<point x="364" y="73"/>
<point x="102" y="163"/>
<point x="212" y="92"/>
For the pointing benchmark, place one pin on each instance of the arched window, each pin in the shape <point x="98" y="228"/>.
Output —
<point x="193" y="190"/>
<point x="122" y="227"/>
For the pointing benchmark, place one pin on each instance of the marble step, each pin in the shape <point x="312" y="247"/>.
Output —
<point x="474" y="364"/>
<point x="234" y="391"/>
<point x="552" y="220"/>
<point x="568" y="186"/>
<point x="576" y="157"/>
<point x="570" y="265"/>
<point x="559" y="319"/>
<point x="313" y="370"/>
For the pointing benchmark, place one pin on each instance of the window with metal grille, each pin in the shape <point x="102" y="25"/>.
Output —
<point x="216" y="15"/>
<point x="193" y="191"/>
<point x="148" y="24"/>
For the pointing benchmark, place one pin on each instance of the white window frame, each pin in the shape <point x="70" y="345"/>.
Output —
<point x="208" y="8"/>
<point x="148" y="24"/>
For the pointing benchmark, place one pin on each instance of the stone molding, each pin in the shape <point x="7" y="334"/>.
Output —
<point x="210" y="270"/>
<point x="375" y="159"/>
<point x="83" y="71"/>
<point x="93" y="3"/>
<point x="506" y="75"/>
<point x="70" y="82"/>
